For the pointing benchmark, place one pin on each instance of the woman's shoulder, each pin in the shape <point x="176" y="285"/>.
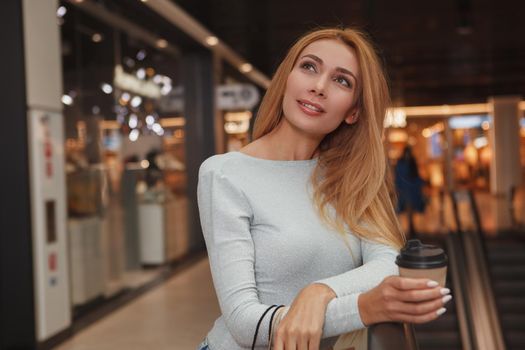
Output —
<point x="220" y="163"/>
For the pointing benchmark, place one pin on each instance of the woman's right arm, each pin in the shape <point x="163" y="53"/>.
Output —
<point x="225" y="215"/>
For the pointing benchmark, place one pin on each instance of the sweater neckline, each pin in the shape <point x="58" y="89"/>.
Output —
<point x="301" y="162"/>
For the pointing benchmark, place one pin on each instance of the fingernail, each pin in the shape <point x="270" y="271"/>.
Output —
<point x="446" y="298"/>
<point x="441" y="311"/>
<point x="432" y="284"/>
<point x="444" y="291"/>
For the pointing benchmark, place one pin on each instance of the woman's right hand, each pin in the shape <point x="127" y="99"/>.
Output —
<point x="403" y="299"/>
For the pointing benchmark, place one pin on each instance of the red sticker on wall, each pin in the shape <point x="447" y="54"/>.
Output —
<point x="52" y="262"/>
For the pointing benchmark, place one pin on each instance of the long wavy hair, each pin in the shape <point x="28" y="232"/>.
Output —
<point x="352" y="175"/>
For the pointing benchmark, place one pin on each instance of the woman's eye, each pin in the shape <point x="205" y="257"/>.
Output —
<point x="343" y="81"/>
<point x="309" y="66"/>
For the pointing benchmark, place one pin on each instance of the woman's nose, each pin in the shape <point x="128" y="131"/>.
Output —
<point x="319" y="86"/>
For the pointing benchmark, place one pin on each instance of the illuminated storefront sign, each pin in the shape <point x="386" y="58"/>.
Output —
<point x="131" y="83"/>
<point x="395" y="118"/>
<point x="467" y="122"/>
<point x="237" y="122"/>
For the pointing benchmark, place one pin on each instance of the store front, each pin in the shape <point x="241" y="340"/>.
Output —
<point x="115" y="107"/>
<point x="127" y="194"/>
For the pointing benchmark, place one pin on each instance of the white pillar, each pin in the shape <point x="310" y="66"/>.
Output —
<point x="505" y="168"/>
<point x="47" y="171"/>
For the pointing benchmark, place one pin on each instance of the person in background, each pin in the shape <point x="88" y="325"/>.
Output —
<point x="409" y="186"/>
<point x="302" y="217"/>
<point x="153" y="172"/>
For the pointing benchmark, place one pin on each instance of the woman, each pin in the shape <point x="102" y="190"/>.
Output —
<point x="302" y="216"/>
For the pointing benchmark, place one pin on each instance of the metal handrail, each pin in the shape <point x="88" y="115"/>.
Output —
<point x="459" y="274"/>
<point x="484" y="326"/>
<point x="487" y="323"/>
<point x="455" y="211"/>
<point x="392" y="336"/>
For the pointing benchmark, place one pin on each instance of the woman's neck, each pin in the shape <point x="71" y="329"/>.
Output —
<point x="287" y="143"/>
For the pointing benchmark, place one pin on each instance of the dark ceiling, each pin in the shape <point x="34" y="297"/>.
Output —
<point x="436" y="52"/>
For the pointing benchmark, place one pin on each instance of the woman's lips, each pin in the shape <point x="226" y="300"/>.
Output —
<point x="310" y="108"/>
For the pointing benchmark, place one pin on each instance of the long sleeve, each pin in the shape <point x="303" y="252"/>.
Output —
<point x="378" y="263"/>
<point x="225" y="215"/>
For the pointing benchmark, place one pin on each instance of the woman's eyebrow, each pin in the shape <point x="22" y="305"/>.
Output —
<point x="314" y="57"/>
<point x="339" y="69"/>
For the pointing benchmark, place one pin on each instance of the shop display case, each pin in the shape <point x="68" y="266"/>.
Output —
<point x="85" y="255"/>
<point x="157" y="227"/>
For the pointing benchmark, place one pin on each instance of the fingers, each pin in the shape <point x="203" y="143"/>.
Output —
<point x="430" y="316"/>
<point x="302" y="344"/>
<point x="418" y="295"/>
<point x="284" y="339"/>
<point x="314" y="342"/>
<point x="406" y="283"/>
<point x="290" y="344"/>
<point x="421" y="308"/>
<point x="413" y="300"/>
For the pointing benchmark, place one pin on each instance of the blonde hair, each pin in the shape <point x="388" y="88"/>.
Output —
<point x="352" y="174"/>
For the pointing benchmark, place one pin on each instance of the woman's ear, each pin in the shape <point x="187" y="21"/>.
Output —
<point x="351" y="118"/>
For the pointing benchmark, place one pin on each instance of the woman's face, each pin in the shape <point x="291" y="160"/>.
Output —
<point x="321" y="88"/>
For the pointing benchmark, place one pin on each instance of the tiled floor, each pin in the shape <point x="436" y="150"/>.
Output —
<point x="176" y="315"/>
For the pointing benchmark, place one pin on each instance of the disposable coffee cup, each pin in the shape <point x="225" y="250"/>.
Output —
<point x="418" y="260"/>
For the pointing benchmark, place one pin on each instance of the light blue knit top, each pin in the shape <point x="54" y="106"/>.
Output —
<point x="266" y="242"/>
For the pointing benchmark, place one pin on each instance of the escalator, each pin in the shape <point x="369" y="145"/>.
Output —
<point x="470" y="321"/>
<point x="507" y="269"/>
<point x="505" y="255"/>
<point x="486" y="276"/>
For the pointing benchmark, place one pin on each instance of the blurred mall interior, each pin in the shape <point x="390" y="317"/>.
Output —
<point x="110" y="107"/>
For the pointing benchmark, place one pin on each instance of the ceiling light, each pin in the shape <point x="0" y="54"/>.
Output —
<point x="133" y="121"/>
<point x="106" y="88"/>
<point x="212" y="40"/>
<point x="136" y="101"/>
<point x="61" y="11"/>
<point x="141" y="73"/>
<point x="67" y="100"/>
<point x="157" y="79"/>
<point x="150" y="120"/>
<point x="162" y="43"/>
<point x="141" y="55"/>
<point x="133" y="135"/>
<point x="166" y="89"/>
<point x="246" y="68"/>
<point x="96" y="38"/>
<point x="157" y="128"/>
